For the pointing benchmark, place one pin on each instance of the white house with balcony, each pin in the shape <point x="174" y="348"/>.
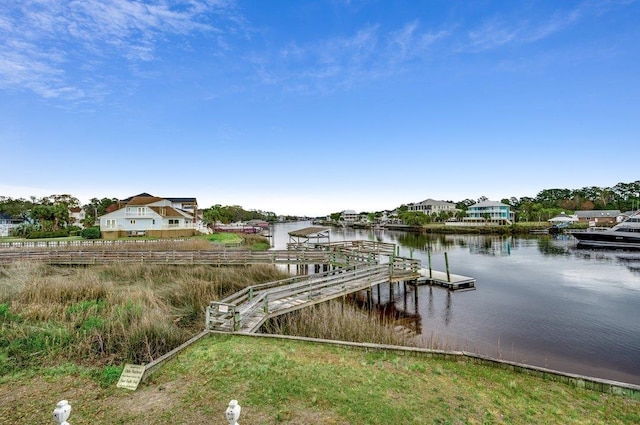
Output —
<point x="146" y="215"/>
<point x="433" y="207"/>
<point x="489" y="212"/>
<point x="349" y="216"/>
<point x="76" y="216"/>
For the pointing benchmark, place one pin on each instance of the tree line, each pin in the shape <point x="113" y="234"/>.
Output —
<point x="52" y="213"/>
<point x="546" y="204"/>
<point x="50" y="216"/>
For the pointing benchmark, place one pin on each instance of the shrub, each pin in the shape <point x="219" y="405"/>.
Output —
<point x="90" y="233"/>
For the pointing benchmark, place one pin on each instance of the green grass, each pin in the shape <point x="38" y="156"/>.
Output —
<point x="65" y="238"/>
<point x="291" y="382"/>
<point x="225" y="238"/>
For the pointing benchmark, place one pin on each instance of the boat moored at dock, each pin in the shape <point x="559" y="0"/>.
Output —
<point x="624" y="235"/>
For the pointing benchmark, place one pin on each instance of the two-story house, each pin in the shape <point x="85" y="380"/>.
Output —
<point x="76" y="216"/>
<point x="146" y="215"/>
<point x="433" y="207"/>
<point x="7" y="223"/>
<point x="349" y="216"/>
<point x="489" y="212"/>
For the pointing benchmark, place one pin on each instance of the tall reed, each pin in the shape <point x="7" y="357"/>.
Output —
<point x="342" y="321"/>
<point x="108" y="314"/>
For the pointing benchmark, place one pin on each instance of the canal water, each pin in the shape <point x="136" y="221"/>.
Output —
<point x="538" y="300"/>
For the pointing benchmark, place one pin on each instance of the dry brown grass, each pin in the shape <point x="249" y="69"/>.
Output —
<point x="341" y="321"/>
<point x="108" y="314"/>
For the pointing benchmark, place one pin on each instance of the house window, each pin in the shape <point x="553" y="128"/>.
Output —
<point x="141" y="211"/>
<point x="133" y="222"/>
<point x="111" y="223"/>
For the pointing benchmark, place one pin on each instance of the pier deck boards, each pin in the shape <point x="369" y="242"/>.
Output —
<point x="453" y="282"/>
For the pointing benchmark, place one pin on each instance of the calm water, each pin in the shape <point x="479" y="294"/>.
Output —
<point x="538" y="300"/>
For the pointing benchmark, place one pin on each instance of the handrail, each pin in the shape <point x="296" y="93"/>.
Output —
<point x="218" y="257"/>
<point x="281" y="290"/>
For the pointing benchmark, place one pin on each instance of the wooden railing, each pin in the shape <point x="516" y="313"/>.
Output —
<point x="249" y="308"/>
<point x="83" y="242"/>
<point x="212" y="257"/>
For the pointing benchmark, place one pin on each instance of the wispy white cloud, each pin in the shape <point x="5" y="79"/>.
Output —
<point x="45" y="43"/>
<point x="367" y="55"/>
<point x="410" y="42"/>
<point x="502" y="31"/>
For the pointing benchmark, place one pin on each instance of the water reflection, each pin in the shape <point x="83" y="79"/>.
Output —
<point x="491" y="246"/>
<point x="448" y="311"/>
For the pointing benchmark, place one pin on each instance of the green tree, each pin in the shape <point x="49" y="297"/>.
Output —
<point x="96" y="208"/>
<point x="16" y="208"/>
<point x="414" y="218"/>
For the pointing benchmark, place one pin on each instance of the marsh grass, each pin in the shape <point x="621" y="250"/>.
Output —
<point x="343" y="321"/>
<point x="107" y="315"/>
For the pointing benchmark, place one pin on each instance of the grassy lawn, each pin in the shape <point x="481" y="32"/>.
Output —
<point x="292" y="382"/>
<point x="225" y="238"/>
<point x="66" y="238"/>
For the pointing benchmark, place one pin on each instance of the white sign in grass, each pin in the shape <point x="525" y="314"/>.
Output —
<point x="131" y="376"/>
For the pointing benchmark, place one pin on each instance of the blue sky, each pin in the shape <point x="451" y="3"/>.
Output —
<point x="313" y="107"/>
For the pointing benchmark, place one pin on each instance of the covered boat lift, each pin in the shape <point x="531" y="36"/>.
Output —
<point x="307" y="235"/>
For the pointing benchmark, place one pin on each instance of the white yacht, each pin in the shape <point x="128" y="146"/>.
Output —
<point x="625" y="235"/>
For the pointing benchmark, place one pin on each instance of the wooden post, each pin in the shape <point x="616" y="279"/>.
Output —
<point x="236" y="321"/>
<point x="405" y="295"/>
<point x="415" y="297"/>
<point x="446" y="262"/>
<point x="429" y="257"/>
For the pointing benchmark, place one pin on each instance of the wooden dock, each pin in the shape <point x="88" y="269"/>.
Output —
<point x="249" y="308"/>
<point x="448" y="280"/>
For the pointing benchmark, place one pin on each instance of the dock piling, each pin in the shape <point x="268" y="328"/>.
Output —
<point x="446" y="262"/>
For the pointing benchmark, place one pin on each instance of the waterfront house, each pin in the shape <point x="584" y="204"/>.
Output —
<point x="598" y="217"/>
<point x="349" y="216"/>
<point x="489" y="212"/>
<point x="147" y="215"/>
<point x="76" y="216"/>
<point x="7" y="223"/>
<point x="433" y="207"/>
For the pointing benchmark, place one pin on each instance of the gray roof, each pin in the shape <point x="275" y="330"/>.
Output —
<point x="489" y="204"/>
<point x="434" y="202"/>
<point x="597" y="213"/>
<point x="309" y="231"/>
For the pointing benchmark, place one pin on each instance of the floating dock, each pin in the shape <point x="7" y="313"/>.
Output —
<point x="448" y="280"/>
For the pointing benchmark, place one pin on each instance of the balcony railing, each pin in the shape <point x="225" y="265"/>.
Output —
<point x="139" y="214"/>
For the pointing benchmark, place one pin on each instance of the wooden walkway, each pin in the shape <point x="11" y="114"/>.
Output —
<point x="247" y="310"/>
<point x="213" y="257"/>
